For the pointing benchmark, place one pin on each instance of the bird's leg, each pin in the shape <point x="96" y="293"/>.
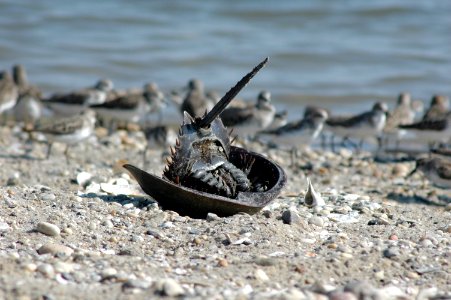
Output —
<point x="66" y="152"/>
<point x="49" y="150"/>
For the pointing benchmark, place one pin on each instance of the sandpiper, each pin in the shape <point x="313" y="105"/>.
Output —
<point x="28" y="108"/>
<point x="279" y="120"/>
<point x="299" y="133"/>
<point x="438" y="109"/>
<point x="75" y="102"/>
<point x="8" y="92"/>
<point x="436" y="169"/>
<point x="195" y="102"/>
<point x="403" y="114"/>
<point x="130" y="107"/>
<point x="21" y="80"/>
<point x="362" y="126"/>
<point x="68" y="130"/>
<point x="430" y="131"/>
<point x="251" y="119"/>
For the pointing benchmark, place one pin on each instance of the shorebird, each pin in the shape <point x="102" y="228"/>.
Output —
<point x="251" y="119"/>
<point x="403" y="114"/>
<point x="8" y="92"/>
<point x="28" y="108"/>
<point x="436" y="169"/>
<point x="75" y="102"/>
<point x="21" y="80"/>
<point x="280" y="119"/>
<point x="429" y="131"/>
<point x="362" y="126"/>
<point x="130" y="107"/>
<point x="68" y="130"/>
<point x="196" y="102"/>
<point x="438" y="109"/>
<point x="299" y="133"/>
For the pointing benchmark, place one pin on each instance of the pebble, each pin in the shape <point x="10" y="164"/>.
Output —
<point x="318" y="221"/>
<point x="63" y="267"/>
<point x="46" y="270"/>
<point x="260" y="275"/>
<point x="426" y="243"/>
<point x="48" y="229"/>
<point x="48" y="197"/>
<point x="391" y="252"/>
<point x="169" y="287"/>
<point x="222" y="262"/>
<point x="290" y="217"/>
<point x="342" y="296"/>
<point x="108" y="273"/>
<point x="30" y="267"/>
<point x="212" y="217"/>
<point x="55" y="249"/>
<point x="136" y="284"/>
<point x="4" y="226"/>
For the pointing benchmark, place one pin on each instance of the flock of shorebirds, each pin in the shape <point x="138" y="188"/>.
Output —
<point x="70" y="118"/>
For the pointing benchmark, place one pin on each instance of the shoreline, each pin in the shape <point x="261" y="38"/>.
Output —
<point x="380" y="233"/>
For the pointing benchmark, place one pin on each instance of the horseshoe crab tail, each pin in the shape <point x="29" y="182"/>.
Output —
<point x="222" y="104"/>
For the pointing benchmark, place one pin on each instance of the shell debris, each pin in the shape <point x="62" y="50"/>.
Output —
<point x="313" y="198"/>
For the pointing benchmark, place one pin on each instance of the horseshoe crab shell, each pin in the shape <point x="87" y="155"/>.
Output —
<point x="197" y="204"/>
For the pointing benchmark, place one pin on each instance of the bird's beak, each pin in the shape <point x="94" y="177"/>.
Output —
<point x="411" y="173"/>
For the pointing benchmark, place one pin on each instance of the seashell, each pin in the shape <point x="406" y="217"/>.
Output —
<point x="312" y="198"/>
<point x="84" y="179"/>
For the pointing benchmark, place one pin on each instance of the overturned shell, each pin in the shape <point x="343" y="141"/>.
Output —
<point x="187" y="201"/>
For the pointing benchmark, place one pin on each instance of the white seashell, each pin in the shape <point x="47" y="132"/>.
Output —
<point x="116" y="189"/>
<point x="312" y="198"/>
<point x="84" y="178"/>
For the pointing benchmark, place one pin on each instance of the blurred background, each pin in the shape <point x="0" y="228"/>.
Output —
<point x="342" y="55"/>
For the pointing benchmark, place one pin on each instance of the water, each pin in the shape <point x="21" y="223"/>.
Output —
<point x="339" y="54"/>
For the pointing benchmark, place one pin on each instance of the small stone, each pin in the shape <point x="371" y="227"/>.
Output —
<point x="55" y="249"/>
<point x="379" y="275"/>
<point x="136" y="284"/>
<point x="84" y="179"/>
<point x="426" y="243"/>
<point x="212" y="217"/>
<point x="393" y="237"/>
<point x="63" y="267"/>
<point x="46" y="270"/>
<point x="290" y="217"/>
<point x="48" y="197"/>
<point x="260" y="275"/>
<point x="391" y="252"/>
<point x="48" y="229"/>
<point x="169" y="287"/>
<point x="222" y="262"/>
<point x="108" y="273"/>
<point x="4" y="226"/>
<point x="30" y="267"/>
<point x="342" y="296"/>
<point x="318" y="221"/>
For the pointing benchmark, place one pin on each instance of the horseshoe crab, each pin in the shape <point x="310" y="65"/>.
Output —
<point x="206" y="174"/>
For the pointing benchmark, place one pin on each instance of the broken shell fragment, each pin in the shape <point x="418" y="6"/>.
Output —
<point x="312" y="198"/>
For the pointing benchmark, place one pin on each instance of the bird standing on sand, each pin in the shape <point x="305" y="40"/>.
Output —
<point x="438" y="109"/>
<point x="196" y="103"/>
<point x="75" y="102"/>
<point x="251" y="119"/>
<point x="436" y="169"/>
<point x="131" y="107"/>
<point x="299" y="133"/>
<point x="430" y="131"/>
<point x="362" y="126"/>
<point x="8" y="92"/>
<point x="70" y="130"/>
<point x="28" y="108"/>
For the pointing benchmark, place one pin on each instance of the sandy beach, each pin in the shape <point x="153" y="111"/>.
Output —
<point x="79" y="230"/>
